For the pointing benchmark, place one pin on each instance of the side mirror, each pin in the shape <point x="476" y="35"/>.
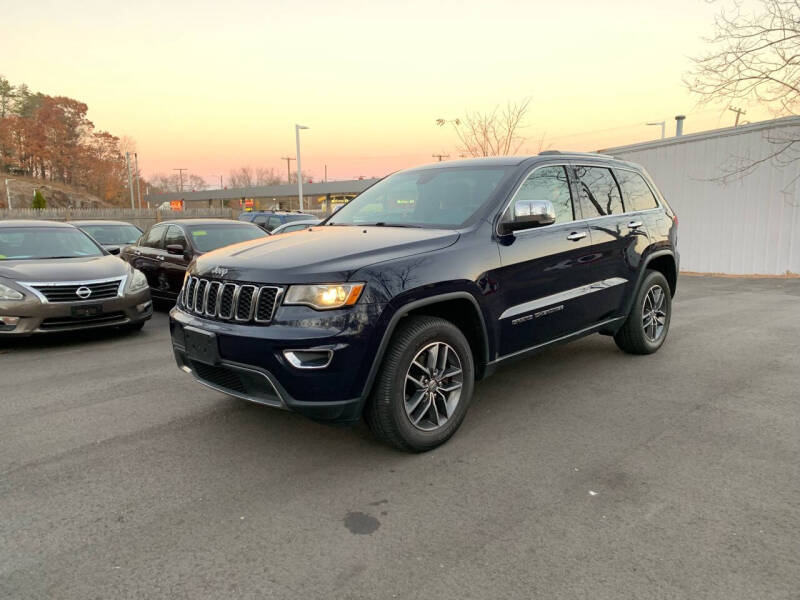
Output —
<point x="175" y="249"/>
<point x="530" y="213"/>
<point x="113" y="250"/>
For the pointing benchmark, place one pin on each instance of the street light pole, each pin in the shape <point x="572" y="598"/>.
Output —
<point x="663" y="126"/>
<point x="8" y="193"/>
<point x="297" y="129"/>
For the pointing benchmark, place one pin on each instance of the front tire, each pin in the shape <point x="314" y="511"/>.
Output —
<point x="647" y="325"/>
<point x="424" y="386"/>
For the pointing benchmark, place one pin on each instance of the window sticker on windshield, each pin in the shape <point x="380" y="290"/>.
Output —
<point x="2" y="256"/>
<point x="199" y="233"/>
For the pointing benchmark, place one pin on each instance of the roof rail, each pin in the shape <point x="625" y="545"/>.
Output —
<point x="555" y="152"/>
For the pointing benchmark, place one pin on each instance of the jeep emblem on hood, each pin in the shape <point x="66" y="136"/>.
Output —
<point x="219" y="271"/>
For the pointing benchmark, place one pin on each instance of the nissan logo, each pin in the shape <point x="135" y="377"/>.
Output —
<point x="83" y="292"/>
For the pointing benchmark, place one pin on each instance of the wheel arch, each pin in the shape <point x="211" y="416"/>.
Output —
<point x="460" y="308"/>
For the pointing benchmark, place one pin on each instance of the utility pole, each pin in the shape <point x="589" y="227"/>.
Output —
<point x="288" y="160"/>
<point x="326" y="174"/>
<point x="441" y="157"/>
<point x="180" y="178"/>
<point x="138" y="186"/>
<point x="130" y="182"/>
<point x="739" y="112"/>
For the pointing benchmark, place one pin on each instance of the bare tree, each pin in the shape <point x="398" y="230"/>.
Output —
<point x="195" y="182"/>
<point x="266" y="176"/>
<point x="241" y="177"/>
<point x="754" y="57"/>
<point x="495" y="133"/>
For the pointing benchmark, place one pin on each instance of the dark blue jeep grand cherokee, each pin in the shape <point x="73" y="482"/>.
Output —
<point x="428" y="280"/>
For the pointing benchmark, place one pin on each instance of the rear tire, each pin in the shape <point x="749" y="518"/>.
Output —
<point x="647" y="325"/>
<point x="428" y="364"/>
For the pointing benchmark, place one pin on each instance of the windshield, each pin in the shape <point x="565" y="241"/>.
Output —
<point x="210" y="237"/>
<point x="119" y="235"/>
<point x="18" y="243"/>
<point x="439" y="198"/>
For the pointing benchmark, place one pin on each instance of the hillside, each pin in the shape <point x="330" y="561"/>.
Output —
<point x="57" y="195"/>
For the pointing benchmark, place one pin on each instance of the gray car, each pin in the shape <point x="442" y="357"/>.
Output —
<point x="295" y="226"/>
<point x="54" y="277"/>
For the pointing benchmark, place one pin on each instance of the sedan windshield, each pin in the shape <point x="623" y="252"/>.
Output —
<point x="439" y="198"/>
<point x="17" y="243"/>
<point x="110" y="235"/>
<point x="210" y="237"/>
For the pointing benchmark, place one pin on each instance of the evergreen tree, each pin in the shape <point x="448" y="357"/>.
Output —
<point x="38" y="200"/>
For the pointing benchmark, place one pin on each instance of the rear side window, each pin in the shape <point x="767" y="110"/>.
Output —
<point x="260" y="219"/>
<point x="635" y="191"/>
<point x="599" y="192"/>
<point x="549" y="183"/>
<point x="153" y="237"/>
<point x="273" y="222"/>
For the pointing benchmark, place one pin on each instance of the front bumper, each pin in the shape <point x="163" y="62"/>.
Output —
<point x="250" y="362"/>
<point x="37" y="317"/>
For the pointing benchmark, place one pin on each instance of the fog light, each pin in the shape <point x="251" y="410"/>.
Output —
<point x="8" y="323"/>
<point x="144" y="306"/>
<point x="309" y="359"/>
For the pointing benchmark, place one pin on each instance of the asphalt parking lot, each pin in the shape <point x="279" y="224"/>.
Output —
<point x="582" y="472"/>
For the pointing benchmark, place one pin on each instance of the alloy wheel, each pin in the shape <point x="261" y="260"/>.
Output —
<point x="433" y="386"/>
<point x="654" y="315"/>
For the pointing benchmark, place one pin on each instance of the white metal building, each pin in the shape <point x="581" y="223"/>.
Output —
<point x="749" y="225"/>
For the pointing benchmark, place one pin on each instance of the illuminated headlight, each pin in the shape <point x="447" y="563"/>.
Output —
<point x="138" y="281"/>
<point x="324" y="296"/>
<point x="8" y="293"/>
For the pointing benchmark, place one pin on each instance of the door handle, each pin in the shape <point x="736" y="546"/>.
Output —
<point x="137" y="252"/>
<point x="160" y="257"/>
<point x="576" y="235"/>
<point x="634" y="224"/>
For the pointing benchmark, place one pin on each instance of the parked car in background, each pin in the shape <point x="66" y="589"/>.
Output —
<point x="165" y="251"/>
<point x="54" y="277"/>
<point x="426" y="282"/>
<point x="295" y="226"/>
<point x="270" y="219"/>
<point x="112" y="235"/>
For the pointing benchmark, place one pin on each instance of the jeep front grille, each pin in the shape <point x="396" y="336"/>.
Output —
<point x="226" y="301"/>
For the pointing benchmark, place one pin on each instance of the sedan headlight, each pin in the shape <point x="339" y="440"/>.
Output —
<point x="138" y="281"/>
<point x="8" y="293"/>
<point x="325" y="295"/>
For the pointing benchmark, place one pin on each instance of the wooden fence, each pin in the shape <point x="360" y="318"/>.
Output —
<point x="142" y="218"/>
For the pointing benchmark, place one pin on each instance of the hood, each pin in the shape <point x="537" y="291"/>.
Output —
<point x="320" y="254"/>
<point x="64" y="269"/>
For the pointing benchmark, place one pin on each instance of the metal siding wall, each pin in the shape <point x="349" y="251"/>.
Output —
<point x="747" y="226"/>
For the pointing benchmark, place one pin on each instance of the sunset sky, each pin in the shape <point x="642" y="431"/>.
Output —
<point x="211" y="86"/>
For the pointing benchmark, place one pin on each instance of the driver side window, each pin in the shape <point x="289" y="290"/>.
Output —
<point x="547" y="183"/>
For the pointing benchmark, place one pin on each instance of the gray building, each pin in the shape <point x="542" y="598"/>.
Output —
<point x="738" y="209"/>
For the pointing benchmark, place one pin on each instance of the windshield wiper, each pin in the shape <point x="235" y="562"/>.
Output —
<point x="385" y="224"/>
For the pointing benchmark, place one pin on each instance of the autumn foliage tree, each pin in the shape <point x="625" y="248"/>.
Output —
<point x="51" y="138"/>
